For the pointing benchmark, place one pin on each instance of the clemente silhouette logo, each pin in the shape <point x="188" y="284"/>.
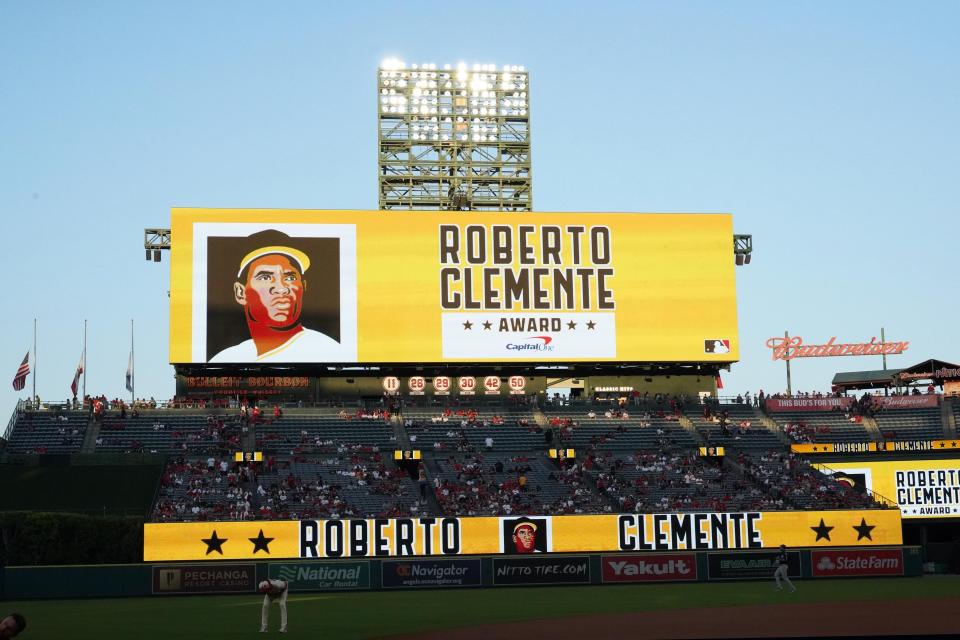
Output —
<point x="532" y="346"/>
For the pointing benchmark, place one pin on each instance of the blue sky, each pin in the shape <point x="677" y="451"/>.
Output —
<point x="828" y="129"/>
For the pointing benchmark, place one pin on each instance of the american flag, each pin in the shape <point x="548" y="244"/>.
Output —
<point x="20" y="380"/>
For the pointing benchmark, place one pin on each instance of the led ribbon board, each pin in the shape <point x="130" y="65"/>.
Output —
<point x="390" y="537"/>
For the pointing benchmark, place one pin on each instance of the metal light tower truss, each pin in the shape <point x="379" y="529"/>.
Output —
<point x="742" y="248"/>
<point x="453" y="138"/>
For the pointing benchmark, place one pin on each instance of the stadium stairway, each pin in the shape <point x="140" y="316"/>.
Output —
<point x="90" y="439"/>
<point x="948" y="417"/>
<point x="399" y="431"/>
<point x="540" y="418"/>
<point x="872" y="428"/>
<point x="249" y="439"/>
<point x="687" y="424"/>
<point x="433" y="470"/>
<point x="774" y="428"/>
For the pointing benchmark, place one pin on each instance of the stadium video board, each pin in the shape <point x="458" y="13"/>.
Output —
<point x="921" y="488"/>
<point x="365" y="287"/>
<point x="391" y="537"/>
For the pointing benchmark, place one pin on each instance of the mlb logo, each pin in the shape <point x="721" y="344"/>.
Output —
<point x="716" y="345"/>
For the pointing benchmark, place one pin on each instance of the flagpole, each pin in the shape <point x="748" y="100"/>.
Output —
<point x="35" y="360"/>
<point x="133" y="378"/>
<point x="84" y="358"/>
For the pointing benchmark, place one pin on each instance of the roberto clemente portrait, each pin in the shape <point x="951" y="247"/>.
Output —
<point x="274" y="298"/>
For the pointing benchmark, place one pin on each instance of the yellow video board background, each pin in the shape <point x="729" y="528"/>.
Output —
<point x="520" y="534"/>
<point x="286" y="286"/>
<point x="921" y="488"/>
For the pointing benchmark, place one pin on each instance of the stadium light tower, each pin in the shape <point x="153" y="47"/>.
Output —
<point x="453" y="138"/>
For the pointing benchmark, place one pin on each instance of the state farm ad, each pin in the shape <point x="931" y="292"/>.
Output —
<point x="650" y="568"/>
<point x="833" y="563"/>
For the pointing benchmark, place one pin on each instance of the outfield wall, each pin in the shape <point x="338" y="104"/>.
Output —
<point x="110" y="581"/>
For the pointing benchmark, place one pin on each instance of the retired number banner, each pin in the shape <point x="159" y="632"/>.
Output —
<point x="383" y="538"/>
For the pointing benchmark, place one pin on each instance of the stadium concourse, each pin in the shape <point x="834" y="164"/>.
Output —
<point x="337" y="460"/>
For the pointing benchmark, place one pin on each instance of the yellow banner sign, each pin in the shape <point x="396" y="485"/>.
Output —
<point x="280" y="286"/>
<point x="921" y="488"/>
<point x="712" y="452"/>
<point x="876" y="447"/>
<point x="525" y="534"/>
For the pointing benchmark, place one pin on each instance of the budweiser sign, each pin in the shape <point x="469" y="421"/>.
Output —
<point x="943" y="372"/>
<point x="906" y="402"/>
<point x="793" y="347"/>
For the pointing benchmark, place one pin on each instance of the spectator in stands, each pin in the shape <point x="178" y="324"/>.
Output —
<point x="489" y="442"/>
<point x="422" y="482"/>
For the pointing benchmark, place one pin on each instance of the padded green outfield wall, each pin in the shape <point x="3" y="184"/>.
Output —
<point x="107" y="581"/>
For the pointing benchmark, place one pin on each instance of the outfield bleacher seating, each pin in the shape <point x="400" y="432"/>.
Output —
<point x="910" y="424"/>
<point x="185" y="432"/>
<point x="745" y="429"/>
<point x="467" y="428"/>
<point x="324" y="431"/>
<point x="43" y="432"/>
<point x="331" y="462"/>
<point x="490" y="484"/>
<point x="573" y="427"/>
<point x="822" y="426"/>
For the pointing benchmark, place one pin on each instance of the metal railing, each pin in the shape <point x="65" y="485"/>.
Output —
<point x="876" y="497"/>
<point x="13" y="420"/>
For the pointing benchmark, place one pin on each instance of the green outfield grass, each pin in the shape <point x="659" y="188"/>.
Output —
<point x="373" y="614"/>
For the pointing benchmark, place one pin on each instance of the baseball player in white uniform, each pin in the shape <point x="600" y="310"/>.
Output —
<point x="274" y="591"/>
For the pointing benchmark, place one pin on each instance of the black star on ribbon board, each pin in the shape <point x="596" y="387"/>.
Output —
<point x="214" y="543"/>
<point x="823" y="531"/>
<point x="591" y="324"/>
<point x="261" y="543"/>
<point x="468" y="325"/>
<point x="571" y="325"/>
<point x="487" y="325"/>
<point x="863" y="531"/>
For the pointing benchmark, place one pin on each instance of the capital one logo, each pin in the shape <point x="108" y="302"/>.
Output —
<point x="534" y="343"/>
